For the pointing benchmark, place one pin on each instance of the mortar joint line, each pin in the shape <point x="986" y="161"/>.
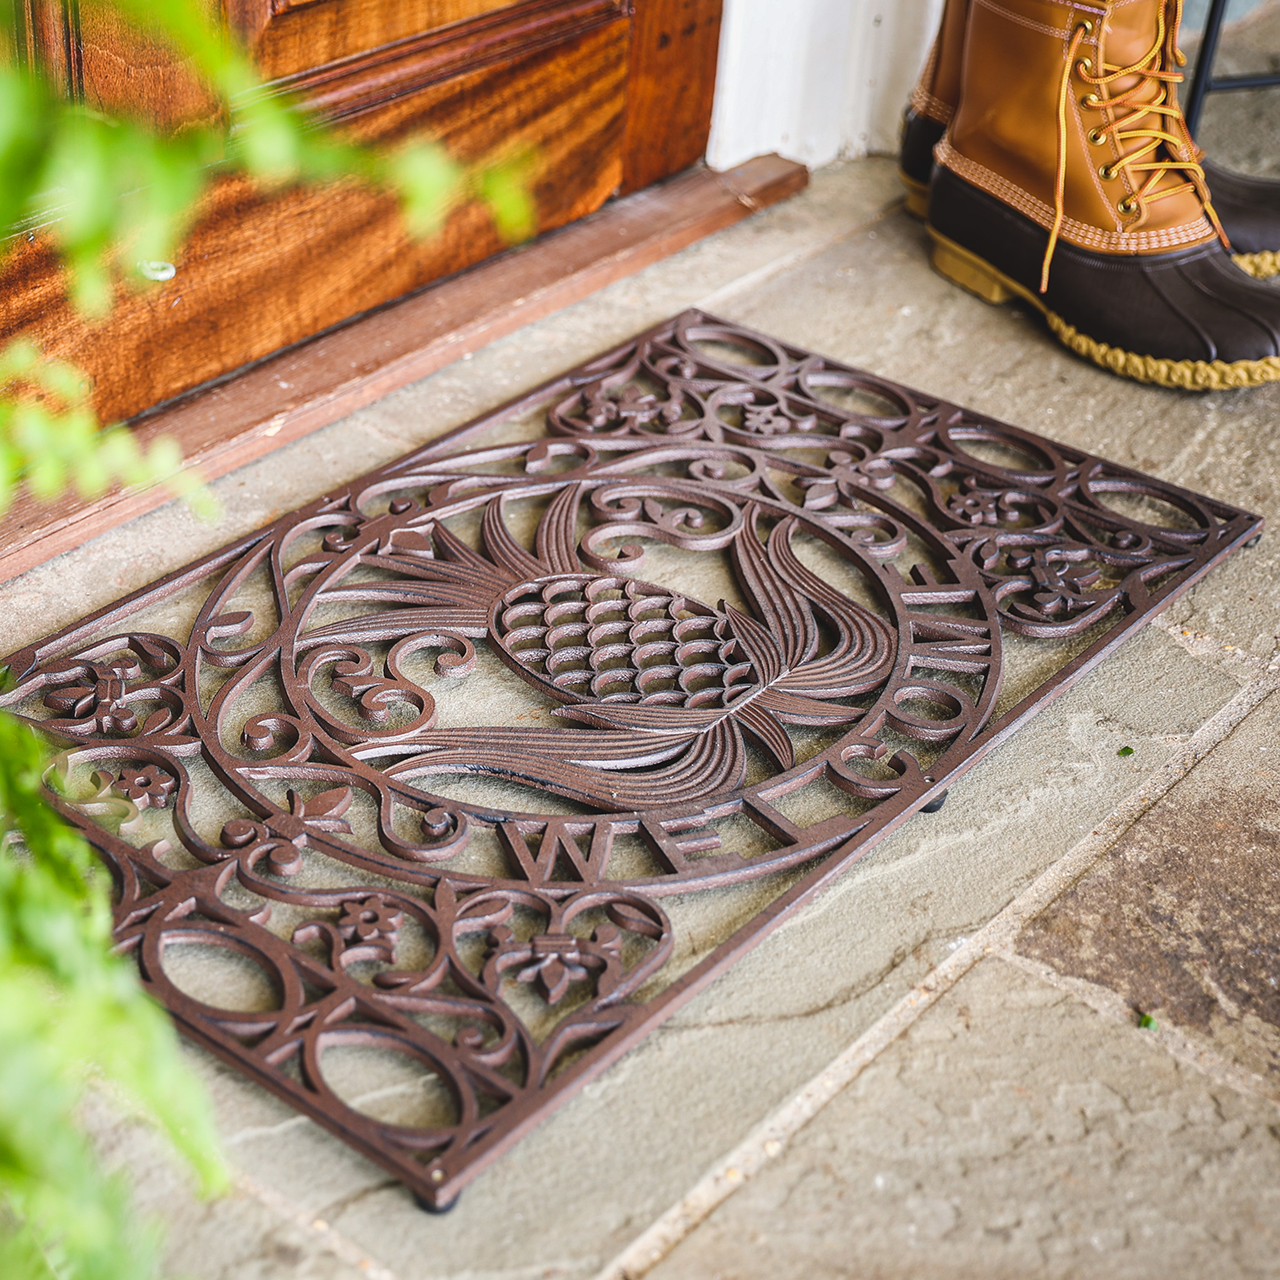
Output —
<point x="1110" y="1004"/>
<point x="332" y="1240"/>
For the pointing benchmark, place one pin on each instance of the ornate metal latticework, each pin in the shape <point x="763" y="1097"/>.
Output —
<point x="433" y="756"/>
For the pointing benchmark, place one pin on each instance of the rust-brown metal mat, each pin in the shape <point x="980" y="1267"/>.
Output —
<point x="478" y="768"/>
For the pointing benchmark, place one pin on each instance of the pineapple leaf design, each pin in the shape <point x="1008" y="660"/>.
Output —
<point x="660" y="692"/>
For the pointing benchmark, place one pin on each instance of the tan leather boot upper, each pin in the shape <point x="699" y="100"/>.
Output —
<point x="938" y="89"/>
<point x="1047" y="124"/>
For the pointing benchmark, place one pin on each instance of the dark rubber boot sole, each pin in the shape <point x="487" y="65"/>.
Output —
<point x="980" y="278"/>
<point x="915" y="159"/>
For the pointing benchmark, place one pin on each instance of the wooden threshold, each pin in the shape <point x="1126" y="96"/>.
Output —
<point x="284" y="397"/>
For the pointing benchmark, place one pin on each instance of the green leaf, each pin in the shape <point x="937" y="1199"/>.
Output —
<point x="63" y="380"/>
<point x="505" y="187"/>
<point x="190" y="486"/>
<point x="107" y="193"/>
<point x="20" y="359"/>
<point x="91" y="290"/>
<point x="28" y="116"/>
<point x="430" y="184"/>
<point x="10" y="466"/>
<point x="68" y="1007"/>
<point x="160" y="462"/>
<point x="267" y="140"/>
<point x="79" y="177"/>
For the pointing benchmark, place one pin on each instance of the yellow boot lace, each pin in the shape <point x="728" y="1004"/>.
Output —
<point x="1148" y="123"/>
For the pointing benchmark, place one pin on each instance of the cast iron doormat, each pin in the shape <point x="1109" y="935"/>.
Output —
<point x="417" y="781"/>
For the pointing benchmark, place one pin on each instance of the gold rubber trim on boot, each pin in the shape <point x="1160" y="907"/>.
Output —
<point x="917" y="195"/>
<point x="1261" y="266"/>
<point x="972" y="273"/>
<point x="979" y="277"/>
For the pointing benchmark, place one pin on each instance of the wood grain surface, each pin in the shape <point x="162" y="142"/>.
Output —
<point x="289" y="36"/>
<point x="670" y="84"/>
<point x="110" y="65"/>
<point x="367" y="82"/>
<point x="608" y="95"/>
<point x="318" y="382"/>
<point x="263" y="271"/>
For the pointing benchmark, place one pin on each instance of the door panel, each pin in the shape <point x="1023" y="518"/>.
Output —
<point x="670" y="84"/>
<point x="384" y="80"/>
<point x="296" y="35"/>
<point x="602" y="109"/>
<point x="103" y="62"/>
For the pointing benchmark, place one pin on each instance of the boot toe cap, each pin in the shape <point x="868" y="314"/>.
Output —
<point x="1190" y="305"/>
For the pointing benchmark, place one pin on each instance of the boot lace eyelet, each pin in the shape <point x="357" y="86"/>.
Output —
<point x="1126" y="206"/>
<point x="1084" y="25"/>
<point x="1096" y="136"/>
<point x="1106" y="173"/>
<point x="1091" y="100"/>
<point x="1085" y="66"/>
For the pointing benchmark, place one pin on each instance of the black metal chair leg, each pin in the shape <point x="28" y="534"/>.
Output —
<point x="1203" y="82"/>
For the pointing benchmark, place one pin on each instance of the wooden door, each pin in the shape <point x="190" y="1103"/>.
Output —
<point x="611" y="96"/>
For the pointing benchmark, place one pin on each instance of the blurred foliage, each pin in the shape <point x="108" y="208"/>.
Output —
<point x="50" y="438"/>
<point x="114" y="192"/>
<point x="71" y="1012"/>
<point x="115" y="197"/>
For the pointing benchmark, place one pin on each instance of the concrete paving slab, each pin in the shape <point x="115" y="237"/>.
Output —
<point x="1012" y="1132"/>
<point x="248" y="1234"/>
<point x="1182" y="918"/>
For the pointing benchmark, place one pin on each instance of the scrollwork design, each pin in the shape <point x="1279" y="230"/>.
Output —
<point x="282" y="782"/>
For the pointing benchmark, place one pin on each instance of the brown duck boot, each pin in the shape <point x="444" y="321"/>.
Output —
<point x="932" y="106"/>
<point x="1248" y="208"/>
<point x="1066" y="178"/>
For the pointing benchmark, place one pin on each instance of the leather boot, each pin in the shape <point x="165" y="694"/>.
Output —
<point x="932" y="105"/>
<point x="1066" y="178"/>
<point x="1248" y="208"/>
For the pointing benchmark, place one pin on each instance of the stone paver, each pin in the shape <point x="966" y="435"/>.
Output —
<point x="1011" y="1133"/>
<point x="239" y="1236"/>
<point x="1182" y="918"/>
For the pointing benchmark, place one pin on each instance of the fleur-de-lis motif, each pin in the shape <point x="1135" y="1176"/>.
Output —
<point x="99" y="703"/>
<point x="632" y="406"/>
<point x="1062" y="585"/>
<point x="554" y="961"/>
